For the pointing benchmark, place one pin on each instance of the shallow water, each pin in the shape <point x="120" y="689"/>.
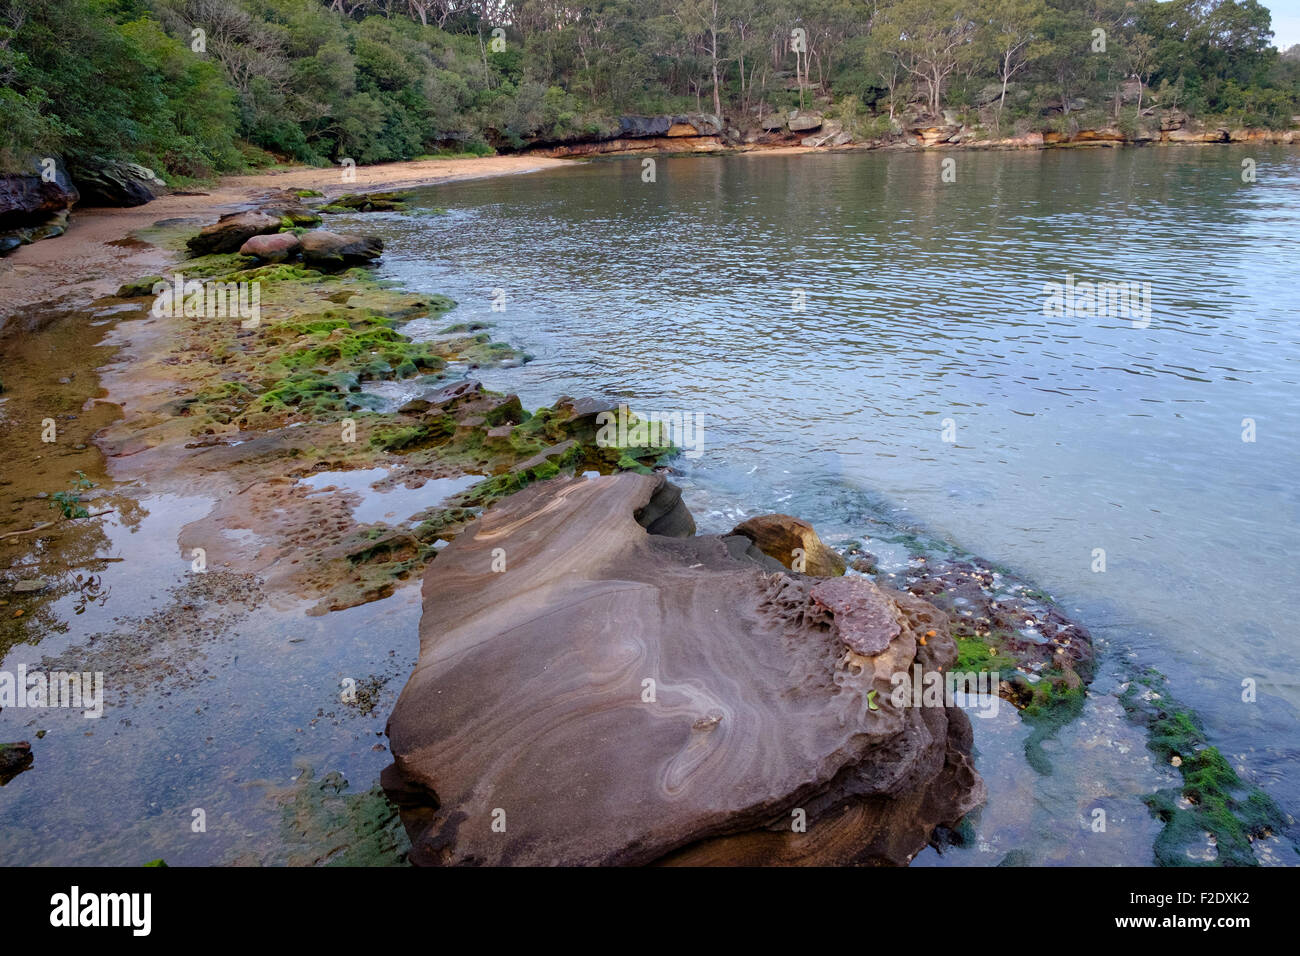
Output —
<point x="923" y="302"/>
<point x="922" y="307"/>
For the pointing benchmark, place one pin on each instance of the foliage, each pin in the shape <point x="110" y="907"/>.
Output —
<point x="373" y="80"/>
<point x="69" y="502"/>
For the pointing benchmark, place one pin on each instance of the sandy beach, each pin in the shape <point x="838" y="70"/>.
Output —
<point x="97" y="254"/>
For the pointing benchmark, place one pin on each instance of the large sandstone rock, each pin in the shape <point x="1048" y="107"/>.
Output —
<point x="33" y="209"/>
<point x="684" y="124"/>
<point x="781" y="536"/>
<point x="800" y="122"/>
<point x="112" y="183"/>
<point x="332" y="250"/>
<point x="609" y="695"/>
<point x="273" y="247"/>
<point x="231" y="231"/>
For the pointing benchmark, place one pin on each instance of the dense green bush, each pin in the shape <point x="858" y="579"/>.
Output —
<point x="319" y="81"/>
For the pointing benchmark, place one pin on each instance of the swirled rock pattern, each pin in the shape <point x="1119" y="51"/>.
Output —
<point x="588" y="692"/>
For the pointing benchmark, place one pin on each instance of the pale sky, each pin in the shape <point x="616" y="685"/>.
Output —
<point x="1286" y="22"/>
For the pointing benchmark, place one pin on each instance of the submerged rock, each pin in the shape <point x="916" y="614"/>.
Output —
<point x="786" y="539"/>
<point x="589" y="692"/>
<point x="14" y="759"/>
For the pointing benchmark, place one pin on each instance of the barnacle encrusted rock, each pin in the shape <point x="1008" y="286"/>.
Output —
<point x="589" y="692"/>
<point x="865" y="619"/>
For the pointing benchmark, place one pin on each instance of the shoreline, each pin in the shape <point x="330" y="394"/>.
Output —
<point x="98" y="253"/>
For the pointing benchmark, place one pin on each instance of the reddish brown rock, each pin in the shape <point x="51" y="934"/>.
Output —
<point x="865" y="620"/>
<point x="590" y="693"/>
<point x="276" y="247"/>
<point x="792" y="541"/>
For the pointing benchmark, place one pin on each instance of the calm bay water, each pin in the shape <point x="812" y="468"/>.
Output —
<point x="923" y="302"/>
<point x="922" y="305"/>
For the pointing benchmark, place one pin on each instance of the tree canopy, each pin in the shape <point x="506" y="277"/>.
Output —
<point x="198" y="87"/>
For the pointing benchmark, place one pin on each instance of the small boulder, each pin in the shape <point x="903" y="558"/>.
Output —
<point x="331" y="250"/>
<point x="231" y="231"/>
<point x="779" y="536"/>
<point x="272" y="247"/>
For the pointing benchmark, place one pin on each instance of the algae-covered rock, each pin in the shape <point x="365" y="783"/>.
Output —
<point x="367" y="202"/>
<point x="139" y="287"/>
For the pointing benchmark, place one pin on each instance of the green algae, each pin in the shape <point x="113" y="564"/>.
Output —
<point x="977" y="655"/>
<point x="1046" y="705"/>
<point x="1213" y="799"/>
<point x="323" y="824"/>
<point x="443" y="523"/>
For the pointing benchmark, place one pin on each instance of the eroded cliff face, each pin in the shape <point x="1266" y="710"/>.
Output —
<point x="588" y="692"/>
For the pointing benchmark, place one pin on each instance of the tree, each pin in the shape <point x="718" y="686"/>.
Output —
<point x="1015" y="35"/>
<point x="931" y="39"/>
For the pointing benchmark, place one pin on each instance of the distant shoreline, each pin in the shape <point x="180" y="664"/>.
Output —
<point x="97" y="254"/>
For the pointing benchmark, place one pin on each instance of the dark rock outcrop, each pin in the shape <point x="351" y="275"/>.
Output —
<point x="32" y="209"/>
<point x="105" y="182"/>
<point x="26" y="200"/>
<point x="14" y="759"/>
<point x="648" y="127"/>
<point x="591" y="693"/>
<point x="231" y="231"/>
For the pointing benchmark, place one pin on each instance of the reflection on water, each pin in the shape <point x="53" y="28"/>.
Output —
<point x="922" y="307"/>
